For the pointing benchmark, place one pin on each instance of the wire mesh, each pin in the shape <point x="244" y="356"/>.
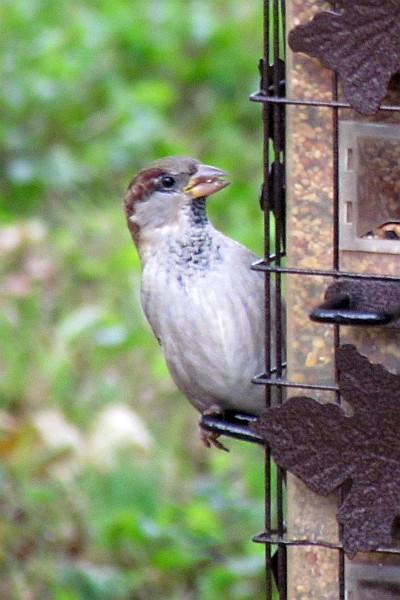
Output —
<point x="272" y="84"/>
<point x="272" y="96"/>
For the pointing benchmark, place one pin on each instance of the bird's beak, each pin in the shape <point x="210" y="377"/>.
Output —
<point x="206" y="181"/>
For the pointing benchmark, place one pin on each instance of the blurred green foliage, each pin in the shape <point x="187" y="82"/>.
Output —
<point x="92" y="90"/>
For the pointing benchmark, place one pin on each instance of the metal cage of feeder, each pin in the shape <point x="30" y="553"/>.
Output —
<point x="331" y="197"/>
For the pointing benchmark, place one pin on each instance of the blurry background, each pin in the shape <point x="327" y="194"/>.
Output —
<point x="105" y="489"/>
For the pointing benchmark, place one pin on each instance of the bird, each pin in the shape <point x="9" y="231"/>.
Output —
<point x="203" y="302"/>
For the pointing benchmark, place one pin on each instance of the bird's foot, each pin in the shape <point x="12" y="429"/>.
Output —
<point x="210" y="438"/>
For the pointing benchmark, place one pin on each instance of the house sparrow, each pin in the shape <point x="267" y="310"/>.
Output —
<point x="202" y="301"/>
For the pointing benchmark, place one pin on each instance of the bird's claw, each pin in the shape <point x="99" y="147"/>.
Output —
<point x="210" y="438"/>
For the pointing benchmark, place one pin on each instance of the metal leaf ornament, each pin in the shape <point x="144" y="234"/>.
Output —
<point x="324" y="447"/>
<point x="361" y="43"/>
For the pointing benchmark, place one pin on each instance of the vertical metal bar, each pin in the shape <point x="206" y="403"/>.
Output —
<point x="271" y="196"/>
<point x="265" y="205"/>
<point x="278" y="183"/>
<point x="267" y="252"/>
<point x="336" y="265"/>
<point x="335" y="155"/>
<point x="335" y="208"/>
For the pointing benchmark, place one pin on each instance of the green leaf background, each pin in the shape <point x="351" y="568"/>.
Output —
<point x="92" y="90"/>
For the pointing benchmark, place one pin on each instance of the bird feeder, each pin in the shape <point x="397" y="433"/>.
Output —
<point x="337" y="431"/>
<point x="330" y="94"/>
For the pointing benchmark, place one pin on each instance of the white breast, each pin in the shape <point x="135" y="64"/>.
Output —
<point x="210" y="323"/>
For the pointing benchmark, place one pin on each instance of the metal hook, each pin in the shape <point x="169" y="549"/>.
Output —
<point x="343" y="309"/>
<point x="232" y="424"/>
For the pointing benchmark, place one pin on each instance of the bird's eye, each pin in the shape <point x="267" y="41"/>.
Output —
<point x="168" y="182"/>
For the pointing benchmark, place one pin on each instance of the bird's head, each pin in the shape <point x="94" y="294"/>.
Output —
<point x="158" y="193"/>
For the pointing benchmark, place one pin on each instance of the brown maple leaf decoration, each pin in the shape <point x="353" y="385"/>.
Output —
<point x="325" y="448"/>
<point x="361" y="43"/>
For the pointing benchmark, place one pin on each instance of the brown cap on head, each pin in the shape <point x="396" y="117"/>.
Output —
<point x="192" y="178"/>
<point x="145" y="182"/>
